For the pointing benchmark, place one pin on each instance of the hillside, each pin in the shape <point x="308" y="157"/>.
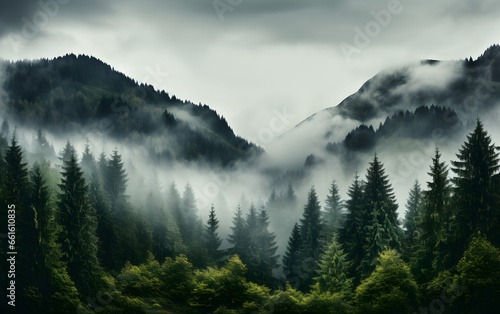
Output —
<point x="81" y="94"/>
<point x="468" y="87"/>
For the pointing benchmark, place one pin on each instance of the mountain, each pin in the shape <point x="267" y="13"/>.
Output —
<point x="463" y="90"/>
<point x="83" y="95"/>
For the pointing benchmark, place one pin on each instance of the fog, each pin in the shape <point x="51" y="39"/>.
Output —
<point x="284" y="159"/>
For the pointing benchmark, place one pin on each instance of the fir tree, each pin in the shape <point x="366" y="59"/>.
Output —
<point x="434" y="223"/>
<point x="351" y="235"/>
<point x="475" y="188"/>
<point x="102" y="167"/>
<point x="16" y="196"/>
<point x="413" y="209"/>
<point x="311" y="226"/>
<point x="79" y="224"/>
<point x="173" y="201"/>
<point x="213" y="240"/>
<point x="88" y="162"/>
<point x="40" y="203"/>
<point x="189" y="223"/>
<point x="109" y="250"/>
<point x="380" y="225"/>
<point x="333" y="216"/>
<point x="5" y="129"/>
<point x="173" y="215"/>
<point x="310" y="231"/>
<point x="42" y="147"/>
<point x="290" y="195"/>
<point x="115" y="182"/>
<point x="291" y="259"/>
<point x="266" y="250"/>
<point x="57" y="290"/>
<point x="238" y="238"/>
<point x="158" y="220"/>
<point x="67" y="152"/>
<point x="332" y="270"/>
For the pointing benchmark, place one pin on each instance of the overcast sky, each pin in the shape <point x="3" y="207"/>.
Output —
<point x="250" y="59"/>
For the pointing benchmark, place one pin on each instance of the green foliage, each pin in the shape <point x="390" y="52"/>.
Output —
<point x="310" y="234"/>
<point x="78" y="236"/>
<point x="413" y="209"/>
<point x="70" y="93"/>
<point x="238" y="238"/>
<point x="325" y="303"/>
<point x="332" y="271"/>
<point x="227" y="286"/>
<point x="213" y="240"/>
<point x="476" y="191"/>
<point x="433" y="247"/>
<point x="289" y="300"/>
<point x="333" y="215"/>
<point x="67" y="242"/>
<point x="351" y="236"/>
<point x="479" y="276"/>
<point x="291" y="259"/>
<point x="379" y="221"/>
<point x="286" y="301"/>
<point x="390" y="288"/>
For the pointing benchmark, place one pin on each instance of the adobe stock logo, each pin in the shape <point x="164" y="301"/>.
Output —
<point x="372" y="29"/>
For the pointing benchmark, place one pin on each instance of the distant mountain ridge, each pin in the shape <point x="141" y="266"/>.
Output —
<point x="380" y="95"/>
<point x="467" y="88"/>
<point x="83" y="94"/>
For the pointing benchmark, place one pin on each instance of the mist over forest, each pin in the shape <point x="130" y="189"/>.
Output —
<point x="172" y="210"/>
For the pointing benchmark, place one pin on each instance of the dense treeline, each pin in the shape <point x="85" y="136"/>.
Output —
<point x="71" y="93"/>
<point x="84" y="247"/>
<point x="420" y="124"/>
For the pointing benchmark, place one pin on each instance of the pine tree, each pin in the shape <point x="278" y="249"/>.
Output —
<point x="16" y="193"/>
<point x="40" y="203"/>
<point x="311" y="226"/>
<point x="5" y="129"/>
<point x="173" y="201"/>
<point x="380" y="226"/>
<point x="332" y="270"/>
<point x="290" y="196"/>
<point x="434" y="224"/>
<point x="173" y="215"/>
<point x="102" y="167"/>
<point x="109" y="251"/>
<point x="51" y="278"/>
<point x="351" y="235"/>
<point x="251" y="255"/>
<point x="213" y="240"/>
<point x="79" y="224"/>
<point x="375" y="244"/>
<point x="291" y="259"/>
<point x="42" y="147"/>
<point x="158" y="220"/>
<point x="273" y="199"/>
<point x="238" y="238"/>
<point x="115" y="182"/>
<point x="333" y="215"/>
<point x="67" y="152"/>
<point x="88" y="162"/>
<point x="413" y="209"/>
<point x="267" y="258"/>
<point x="189" y="223"/>
<point x="475" y="188"/>
<point x="310" y="231"/>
